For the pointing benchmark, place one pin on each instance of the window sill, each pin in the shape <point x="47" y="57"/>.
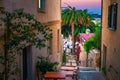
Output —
<point x="41" y="10"/>
<point x="111" y="28"/>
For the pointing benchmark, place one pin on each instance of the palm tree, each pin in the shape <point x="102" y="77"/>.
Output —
<point x="66" y="30"/>
<point x="85" y="18"/>
<point x="77" y="18"/>
<point x="71" y="16"/>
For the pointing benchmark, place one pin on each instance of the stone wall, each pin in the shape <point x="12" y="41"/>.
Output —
<point x="94" y="58"/>
<point x="51" y="17"/>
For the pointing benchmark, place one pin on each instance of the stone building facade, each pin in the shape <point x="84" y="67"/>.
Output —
<point x="110" y="47"/>
<point x="48" y="13"/>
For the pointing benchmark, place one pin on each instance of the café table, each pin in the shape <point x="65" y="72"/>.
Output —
<point x="55" y="75"/>
<point x="66" y="68"/>
<point x="71" y="64"/>
<point x="69" y="73"/>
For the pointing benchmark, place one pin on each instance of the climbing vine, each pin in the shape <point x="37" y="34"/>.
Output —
<point x="21" y="30"/>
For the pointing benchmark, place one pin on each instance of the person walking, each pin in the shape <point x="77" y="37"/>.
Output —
<point x="78" y="51"/>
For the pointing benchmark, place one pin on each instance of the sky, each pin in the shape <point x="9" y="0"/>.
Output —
<point x="93" y="6"/>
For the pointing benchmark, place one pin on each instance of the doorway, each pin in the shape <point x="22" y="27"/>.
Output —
<point x="27" y="63"/>
<point x="104" y="55"/>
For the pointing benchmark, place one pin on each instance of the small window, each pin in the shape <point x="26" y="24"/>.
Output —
<point x="41" y="4"/>
<point x="112" y="16"/>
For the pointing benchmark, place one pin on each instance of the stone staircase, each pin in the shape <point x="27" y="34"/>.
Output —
<point x="84" y="73"/>
<point x="88" y="73"/>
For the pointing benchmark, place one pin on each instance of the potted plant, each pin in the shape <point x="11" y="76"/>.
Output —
<point x="64" y="57"/>
<point x="103" y="69"/>
<point x="43" y="65"/>
<point x="97" y="60"/>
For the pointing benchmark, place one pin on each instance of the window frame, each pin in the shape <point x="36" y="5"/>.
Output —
<point x="112" y="16"/>
<point x="41" y="8"/>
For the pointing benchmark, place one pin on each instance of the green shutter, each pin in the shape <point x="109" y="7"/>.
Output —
<point x="109" y="16"/>
<point x="115" y="16"/>
<point x="41" y="4"/>
<point x="112" y="16"/>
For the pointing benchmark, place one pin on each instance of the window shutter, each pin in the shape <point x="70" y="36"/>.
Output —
<point x="41" y="3"/>
<point x="115" y="16"/>
<point x="109" y="16"/>
<point x="112" y="16"/>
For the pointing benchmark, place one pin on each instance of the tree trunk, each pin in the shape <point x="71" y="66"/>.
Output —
<point x="87" y="60"/>
<point x="73" y="37"/>
<point x="5" y="62"/>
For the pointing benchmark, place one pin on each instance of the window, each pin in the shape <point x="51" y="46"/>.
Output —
<point x="41" y="4"/>
<point x="112" y="16"/>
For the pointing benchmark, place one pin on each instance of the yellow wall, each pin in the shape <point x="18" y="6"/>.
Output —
<point x="111" y="39"/>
